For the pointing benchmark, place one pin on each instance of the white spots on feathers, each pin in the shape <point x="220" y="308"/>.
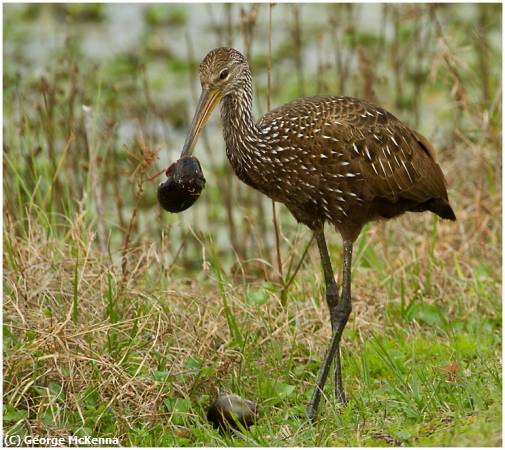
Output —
<point x="342" y="210"/>
<point x="390" y="167"/>
<point x="368" y="153"/>
<point x="396" y="160"/>
<point x="407" y="170"/>
<point x="382" y="166"/>
<point x="324" y="136"/>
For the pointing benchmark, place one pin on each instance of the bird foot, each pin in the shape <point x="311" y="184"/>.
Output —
<point x="312" y="413"/>
<point x="340" y="397"/>
<point x="341" y="402"/>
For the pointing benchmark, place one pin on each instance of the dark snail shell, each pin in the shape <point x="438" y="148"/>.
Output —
<point x="183" y="186"/>
<point x="229" y="409"/>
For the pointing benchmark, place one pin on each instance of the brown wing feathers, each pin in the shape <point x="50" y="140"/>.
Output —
<point x="397" y="164"/>
<point x="353" y="155"/>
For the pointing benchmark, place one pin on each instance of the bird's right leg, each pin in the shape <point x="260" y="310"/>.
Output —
<point x="332" y="296"/>
<point x="332" y="299"/>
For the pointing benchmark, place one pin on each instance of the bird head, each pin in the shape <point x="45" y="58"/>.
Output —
<point x="222" y="72"/>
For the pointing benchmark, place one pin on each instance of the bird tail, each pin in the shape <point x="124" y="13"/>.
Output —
<point x="442" y="208"/>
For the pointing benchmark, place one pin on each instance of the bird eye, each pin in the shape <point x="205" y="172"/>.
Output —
<point x="224" y="74"/>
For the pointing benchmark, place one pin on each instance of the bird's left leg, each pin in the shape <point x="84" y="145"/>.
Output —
<point x="339" y="314"/>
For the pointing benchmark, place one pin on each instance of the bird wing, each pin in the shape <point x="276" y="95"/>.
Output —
<point x="354" y="146"/>
<point x="391" y="160"/>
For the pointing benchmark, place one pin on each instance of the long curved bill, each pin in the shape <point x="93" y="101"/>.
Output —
<point x="206" y="104"/>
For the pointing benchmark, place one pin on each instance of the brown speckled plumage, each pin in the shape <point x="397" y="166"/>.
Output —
<point x="328" y="159"/>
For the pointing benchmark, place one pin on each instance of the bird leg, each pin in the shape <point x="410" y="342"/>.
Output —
<point x="343" y="312"/>
<point x="331" y="286"/>
<point x="339" y="313"/>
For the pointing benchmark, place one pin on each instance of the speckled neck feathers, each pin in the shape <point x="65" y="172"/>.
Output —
<point x="240" y="132"/>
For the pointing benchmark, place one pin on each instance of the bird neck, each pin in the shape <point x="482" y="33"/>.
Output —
<point x="239" y="129"/>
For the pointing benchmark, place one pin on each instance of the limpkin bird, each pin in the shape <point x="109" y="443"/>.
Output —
<point x="328" y="159"/>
